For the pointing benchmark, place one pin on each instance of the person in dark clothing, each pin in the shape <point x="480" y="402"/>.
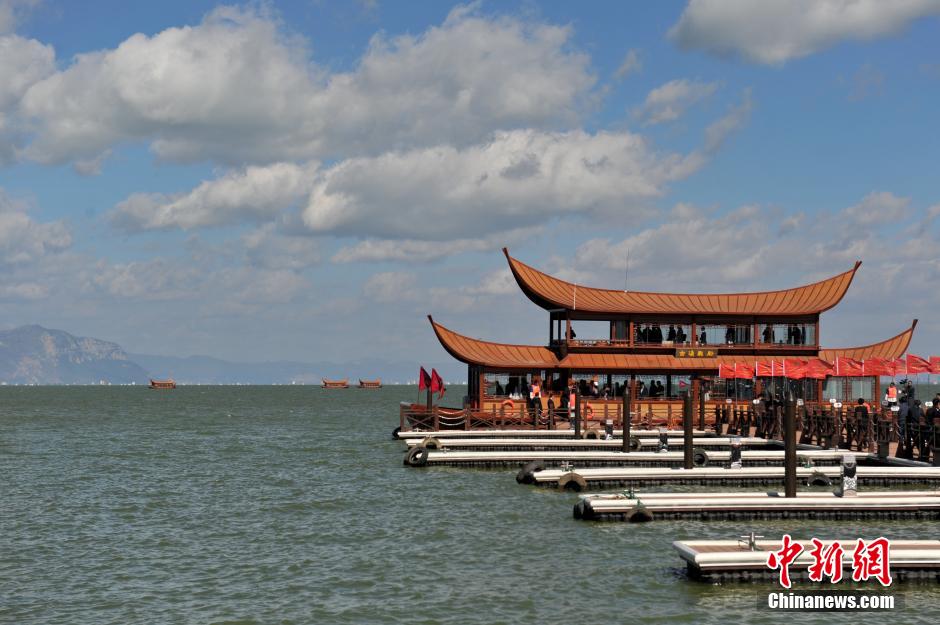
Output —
<point x="658" y="334"/>
<point x="702" y="338"/>
<point x="671" y="335"/>
<point x="797" y="336"/>
<point x="768" y="334"/>
<point x="681" y="336"/>
<point x="915" y="418"/>
<point x="729" y="335"/>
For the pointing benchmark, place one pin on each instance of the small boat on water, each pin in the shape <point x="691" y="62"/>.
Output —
<point x="376" y="383"/>
<point x="162" y="384"/>
<point x="344" y="383"/>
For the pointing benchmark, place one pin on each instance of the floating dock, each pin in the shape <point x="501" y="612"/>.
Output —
<point x="645" y="507"/>
<point x="421" y="456"/>
<point x="566" y="434"/>
<point x="611" y="477"/>
<point x="746" y="560"/>
<point x="712" y="443"/>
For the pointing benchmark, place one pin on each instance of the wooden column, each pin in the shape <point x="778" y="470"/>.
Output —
<point x="627" y="408"/>
<point x="687" y="430"/>
<point x="789" y="448"/>
<point x="631" y="330"/>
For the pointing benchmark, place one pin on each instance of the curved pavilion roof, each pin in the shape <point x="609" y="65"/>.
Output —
<point x="553" y="293"/>
<point x="888" y="349"/>
<point x="506" y="356"/>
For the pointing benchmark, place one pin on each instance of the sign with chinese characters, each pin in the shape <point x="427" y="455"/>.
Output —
<point x="869" y="560"/>
<point x="696" y="352"/>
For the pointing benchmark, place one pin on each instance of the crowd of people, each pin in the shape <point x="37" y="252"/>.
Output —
<point x="653" y="333"/>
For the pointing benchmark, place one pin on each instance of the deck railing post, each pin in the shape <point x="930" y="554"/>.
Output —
<point x="577" y="412"/>
<point x="401" y="418"/>
<point x="789" y="448"/>
<point x="627" y="401"/>
<point x="437" y="419"/>
<point x="687" y="430"/>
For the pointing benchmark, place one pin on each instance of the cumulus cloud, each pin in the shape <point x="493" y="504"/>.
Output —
<point x="253" y="193"/>
<point x="520" y="177"/>
<point x="878" y="207"/>
<point x="775" y="31"/>
<point x="418" y="251"/>
<point x="669" y="102"/>
<point x="236" y="88"/>
<point x="23" y="62"/>
<point x="23" y="240"/>
<point x="737" y="116"/>
<point x="268" y="248"/>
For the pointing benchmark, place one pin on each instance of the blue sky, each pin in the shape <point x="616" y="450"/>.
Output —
<point x="307" y="180"/>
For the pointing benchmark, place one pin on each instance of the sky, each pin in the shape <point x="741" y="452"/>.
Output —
<point x="308" y="180"/>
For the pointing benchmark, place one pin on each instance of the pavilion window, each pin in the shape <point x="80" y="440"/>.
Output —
<point x="794" y="334"/>
<point x="719" y="334"/>
<point x="659" y="333"/>
<point x="734" y="389"/>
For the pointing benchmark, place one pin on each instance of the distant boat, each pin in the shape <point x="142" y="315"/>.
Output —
<point x="376" y="383"/>
<point x="162" y="384"/>
<point x="344" y="383"/>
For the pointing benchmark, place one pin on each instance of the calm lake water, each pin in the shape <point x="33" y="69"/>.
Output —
<point x="291" y="505"/>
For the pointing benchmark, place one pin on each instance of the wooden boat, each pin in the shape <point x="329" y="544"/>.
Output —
<point x="376" y="383"/>
<point x="344" y="383"/>
<point x="162" y="384"/>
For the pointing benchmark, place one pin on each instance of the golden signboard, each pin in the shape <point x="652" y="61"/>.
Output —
<point x="692" y="352"/>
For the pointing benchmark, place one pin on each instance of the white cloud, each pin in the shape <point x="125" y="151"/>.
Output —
<point x="775" y="31"/>
<point x="235" y="88"/>
<point x="418" y="251"/>
<point x="23" y="240"/>
<point x="631" y="64"/>
<point x="12" y="11"/>
<point x="23" y="62"/>
<point x="669" y="102"/>
<point x="520" y="178"/>
<point x="877" y="208"/>
<point x="254" y="193"/>
<point x="268" y="248"/>
<point x="737" y="116"/>
<point x="390" y="286"/>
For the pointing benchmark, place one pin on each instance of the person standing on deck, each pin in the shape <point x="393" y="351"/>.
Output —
<point x="891" y="394"/>
<point x="671" y="336"/>
<point x="903" y="411"/>
<point x="702" y="338"/>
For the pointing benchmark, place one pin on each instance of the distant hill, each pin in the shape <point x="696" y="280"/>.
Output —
<point x="37" y="355"/>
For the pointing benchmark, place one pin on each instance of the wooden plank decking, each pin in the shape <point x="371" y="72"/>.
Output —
<point x="608" y="477"/>
<point x="756" y="505"/>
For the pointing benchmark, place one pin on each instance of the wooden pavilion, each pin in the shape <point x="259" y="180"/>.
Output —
<point x="661" y="346"/>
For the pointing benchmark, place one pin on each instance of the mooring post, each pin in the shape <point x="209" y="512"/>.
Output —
<point x="789" y="448"/>
<point x="701" y="409"/>
<point x="687" y="430"/>
<point x="849" y="479"/>
<point x="577" y="411"/>
<point x="627" y="409"/>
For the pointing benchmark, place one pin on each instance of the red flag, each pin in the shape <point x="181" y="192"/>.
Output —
<point x="726" y="371"/>
<point x="876" y="366"/>
<point x="848" y="367"/>
<point x="795" y="368"/>
<point x="437" y="384"/>
<point x="916" y="364"/>
<point x="935" y="364"/>
<point x="769" y="368"/>
<point x="895" y="366"/>
<point x="424" y="380"/>
<point x="817" y="369"/>
<point x="744" y="372"/>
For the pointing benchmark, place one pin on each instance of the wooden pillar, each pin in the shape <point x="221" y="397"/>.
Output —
<point x="789" y="448"/>
<point x="567" y="327"/>
<point x="687" y="430"/>
<point x="627" y="408"/>
<point x="697" y="389"/>
<point x="693" y="330"/>
<point x="630" y="332"/>
<point x="577" y="411"/>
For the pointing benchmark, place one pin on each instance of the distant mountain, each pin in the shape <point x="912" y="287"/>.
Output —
<point x="208" y="370"/>
<point x="37" y="355"/>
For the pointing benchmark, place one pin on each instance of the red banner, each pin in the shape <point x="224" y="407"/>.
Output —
<point x="727" y="371"/>
<point x="876" y="366"/>
<point x="424" y="380"/>
<point x="817" y="369"/>
<point x="935" y="364"/>
<point x="848" y="367"/>
<point x="745" y="371"/>
<point x="794" y="368"/>
<point x="916" y="364"/>
<point x="437" y="383"/>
